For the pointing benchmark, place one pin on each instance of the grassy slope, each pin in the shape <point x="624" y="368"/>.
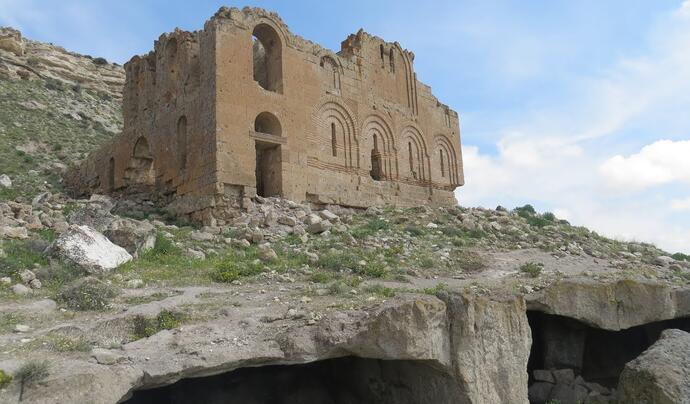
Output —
<point x="65" y="126"/>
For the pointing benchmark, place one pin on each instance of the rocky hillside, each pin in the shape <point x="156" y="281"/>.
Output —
<point x="105" y="301"/>
<point x="55" y="107"/>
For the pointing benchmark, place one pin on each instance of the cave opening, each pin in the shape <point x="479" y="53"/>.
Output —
<point x="572" y="362"/>
<point x="346" y="380"/>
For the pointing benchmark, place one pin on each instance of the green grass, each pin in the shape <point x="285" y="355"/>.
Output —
<point x="9" y="320"/>
<point x="19" y="256"/>
<point x="380" y="290"/>
<point x="370" y="228"/>
<point x="144" y="327"/>
<point x="5" y="379"/>
<point x="62" y="343"/>
<point x="87" y="294"/>
<point x="47" y="128"/>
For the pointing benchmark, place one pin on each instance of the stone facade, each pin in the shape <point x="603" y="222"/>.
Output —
<point x="244" y="108"/>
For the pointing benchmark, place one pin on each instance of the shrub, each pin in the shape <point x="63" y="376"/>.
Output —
<point x="371" y="227"/>
<point x="100" y="61"/>
<point x="532" y="269"/>
<point x="5" y="379"/>
<point x="549" y="216"/>
<point x="470" y="261"/>
<point x="231" y="268"/>
<point x="525" y="211"/>
<point x="380" y="290"/>
<point x="414" y="230"/>
<point x="436" y="289"/>
<point x="31" y="372"/>
<point x="87" y="294"/>
<point x="681" y="257"/>
<point x="144" y="327"/>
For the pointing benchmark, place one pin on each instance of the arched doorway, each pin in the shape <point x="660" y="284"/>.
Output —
<point x="268" y="171"/>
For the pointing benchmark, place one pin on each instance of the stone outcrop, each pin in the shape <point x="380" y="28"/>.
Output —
<point x="613" y="305"/>
<point x="661" y="375"/>
<point x="461" y="337"/>
<point x="21" y="58"/>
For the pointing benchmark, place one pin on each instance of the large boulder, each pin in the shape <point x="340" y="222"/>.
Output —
<point x="89" y="249"/>
<point x="661" y="375"/>
<point x="134" y="236"/>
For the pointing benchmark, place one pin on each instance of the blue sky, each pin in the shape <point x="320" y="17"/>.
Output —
<point x="578" y="107"/>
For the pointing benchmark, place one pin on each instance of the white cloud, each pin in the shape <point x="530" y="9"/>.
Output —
<point x="661" y="162"/>
<point x="680" y="204"/>
<point x="559" y="157"/>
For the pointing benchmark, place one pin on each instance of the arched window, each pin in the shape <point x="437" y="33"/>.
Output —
<point x="443" y="168"/>
<point x="382" y="52"/>
<point x="411" y="159"/>
<point x="331" y="72"/>
<point x="392" y="60"/>
<point x="267" y="58"/>
<point x="182" y="142"/>
<point x="267" y="123"/>
<point x="376" y="163"/>
<point x="334" y="140"/>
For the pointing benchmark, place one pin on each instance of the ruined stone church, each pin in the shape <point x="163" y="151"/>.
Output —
<point x="244" y="107"/>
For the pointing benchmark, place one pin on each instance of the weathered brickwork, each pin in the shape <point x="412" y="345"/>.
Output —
<point x="244" y="107"/>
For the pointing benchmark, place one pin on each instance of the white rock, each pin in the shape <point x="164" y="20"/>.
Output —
<point x="311" y="219"/>
<point x="195" y="254"/>
<point x="202" y="236"/>
<point x="105" y="356"/>
<point x="5" y="280"/>
<point x="27" y="276"/>
<point x="328" y="215"/>
<point x="287" y="221"/>
<point x="20" y="290"/>
<point x="14" y="232"/>
<point x="432" y="225"/>
<point x="5" y="181"/>
<point x="89" y="249"/>
<point x="319" y="227"/>
<point x="35" y="284"/>
<point x="22" y="328"/>
<point x="135" y="283"/>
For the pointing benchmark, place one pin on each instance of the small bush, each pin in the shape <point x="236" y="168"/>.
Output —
<point x="681" y="257"/>
<point x="549" y="216"/>
<point x="532" y="269"/>
<point x="338" y="288"/>
<point x="436" y="289"/>
<point x="87" y="294"/>
<point x="100" y="61"/>
<point x="525" y="211"/>
<point x="31" y="372"/>
<point x="380" y="290"/>
<point x="231" y="269"/>
<point x="470" y="261"/>
<point x="371" y="227"/>
<point x="144" y="327"/>
<point x="5" y="379"/>
<point x="414" y="230"/>
<point x="61" y="343"/>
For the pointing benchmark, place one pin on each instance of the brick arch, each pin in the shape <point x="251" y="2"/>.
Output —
<point x="267" y="56"/>
<point x="414" y="156"/>
<point x="377" y="125"/>
<point x="444" y="154"/>
<point x="140" y="168"/>
<point x="334" y="70"/>
<point x="331" y="115"/>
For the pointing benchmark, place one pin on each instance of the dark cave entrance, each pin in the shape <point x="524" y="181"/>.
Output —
<point x="570" y="361"/>
<point x="348" y="380"/>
